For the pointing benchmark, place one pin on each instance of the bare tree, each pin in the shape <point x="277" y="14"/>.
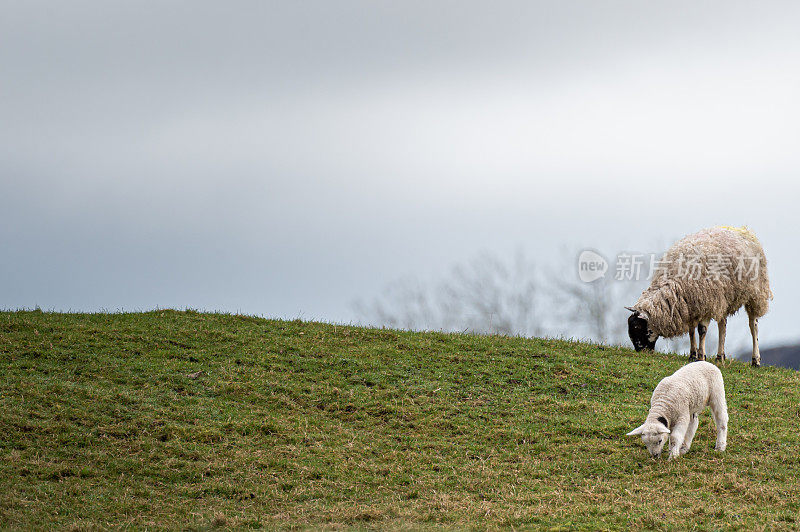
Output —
<point x="491" y="296"/>
<point x="591" y="310"/>
<point x="404" y="304"/>
<point x="487" y="295"/>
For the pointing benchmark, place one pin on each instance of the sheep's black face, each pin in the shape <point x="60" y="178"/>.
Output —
<point x="639" y="333"/>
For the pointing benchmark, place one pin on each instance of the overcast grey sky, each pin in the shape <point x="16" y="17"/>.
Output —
<point x="284" y="158"/>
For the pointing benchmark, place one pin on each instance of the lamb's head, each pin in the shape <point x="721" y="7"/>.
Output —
<point x="639" y="331"/>
<point x="654" y="435"/>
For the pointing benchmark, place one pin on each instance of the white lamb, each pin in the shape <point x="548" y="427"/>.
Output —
<point x="676" y="405"/>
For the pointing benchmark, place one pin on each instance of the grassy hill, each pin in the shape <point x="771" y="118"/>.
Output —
<point x="105" y="422"/>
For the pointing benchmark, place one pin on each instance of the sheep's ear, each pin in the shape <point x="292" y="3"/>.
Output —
<point x="638" y="430"/>
<point x="642" y="314"/>
<point x="662" y="430"/>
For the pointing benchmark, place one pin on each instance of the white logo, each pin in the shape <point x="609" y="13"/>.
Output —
<point x="591" y="266"/>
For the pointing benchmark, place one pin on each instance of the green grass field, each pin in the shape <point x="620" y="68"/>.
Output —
<point x="105" y="423"/>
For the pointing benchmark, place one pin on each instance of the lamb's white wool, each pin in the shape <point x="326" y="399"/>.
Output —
<point x="676" y="405"/>
<point x="707" y="275"/>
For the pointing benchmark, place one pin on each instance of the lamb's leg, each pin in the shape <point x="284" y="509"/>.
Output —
<point x="702" y="329"/>
<point x="690" y="431"/>
<point x="754" y="333"/>
<point x="692" y="345"/>
<point x="676" y="437"/>
<point x="719" y="410"/>
<point x="721" y="327"/>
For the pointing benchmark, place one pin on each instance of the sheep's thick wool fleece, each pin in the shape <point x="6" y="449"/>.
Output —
<point x="674" y="301"/>
<point x="687" y="391"/>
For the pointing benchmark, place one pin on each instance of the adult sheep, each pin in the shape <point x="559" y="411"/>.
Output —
<point x="708" y="275"/>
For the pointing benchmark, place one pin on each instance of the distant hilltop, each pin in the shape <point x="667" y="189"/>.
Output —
<point x="787" y="356"/>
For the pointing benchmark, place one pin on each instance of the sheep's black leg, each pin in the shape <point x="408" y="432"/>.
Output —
<point x="692" y="345"/>
<point x="702" y="329"/>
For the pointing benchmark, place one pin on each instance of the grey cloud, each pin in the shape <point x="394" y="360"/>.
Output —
<point x="286" y="157"/>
